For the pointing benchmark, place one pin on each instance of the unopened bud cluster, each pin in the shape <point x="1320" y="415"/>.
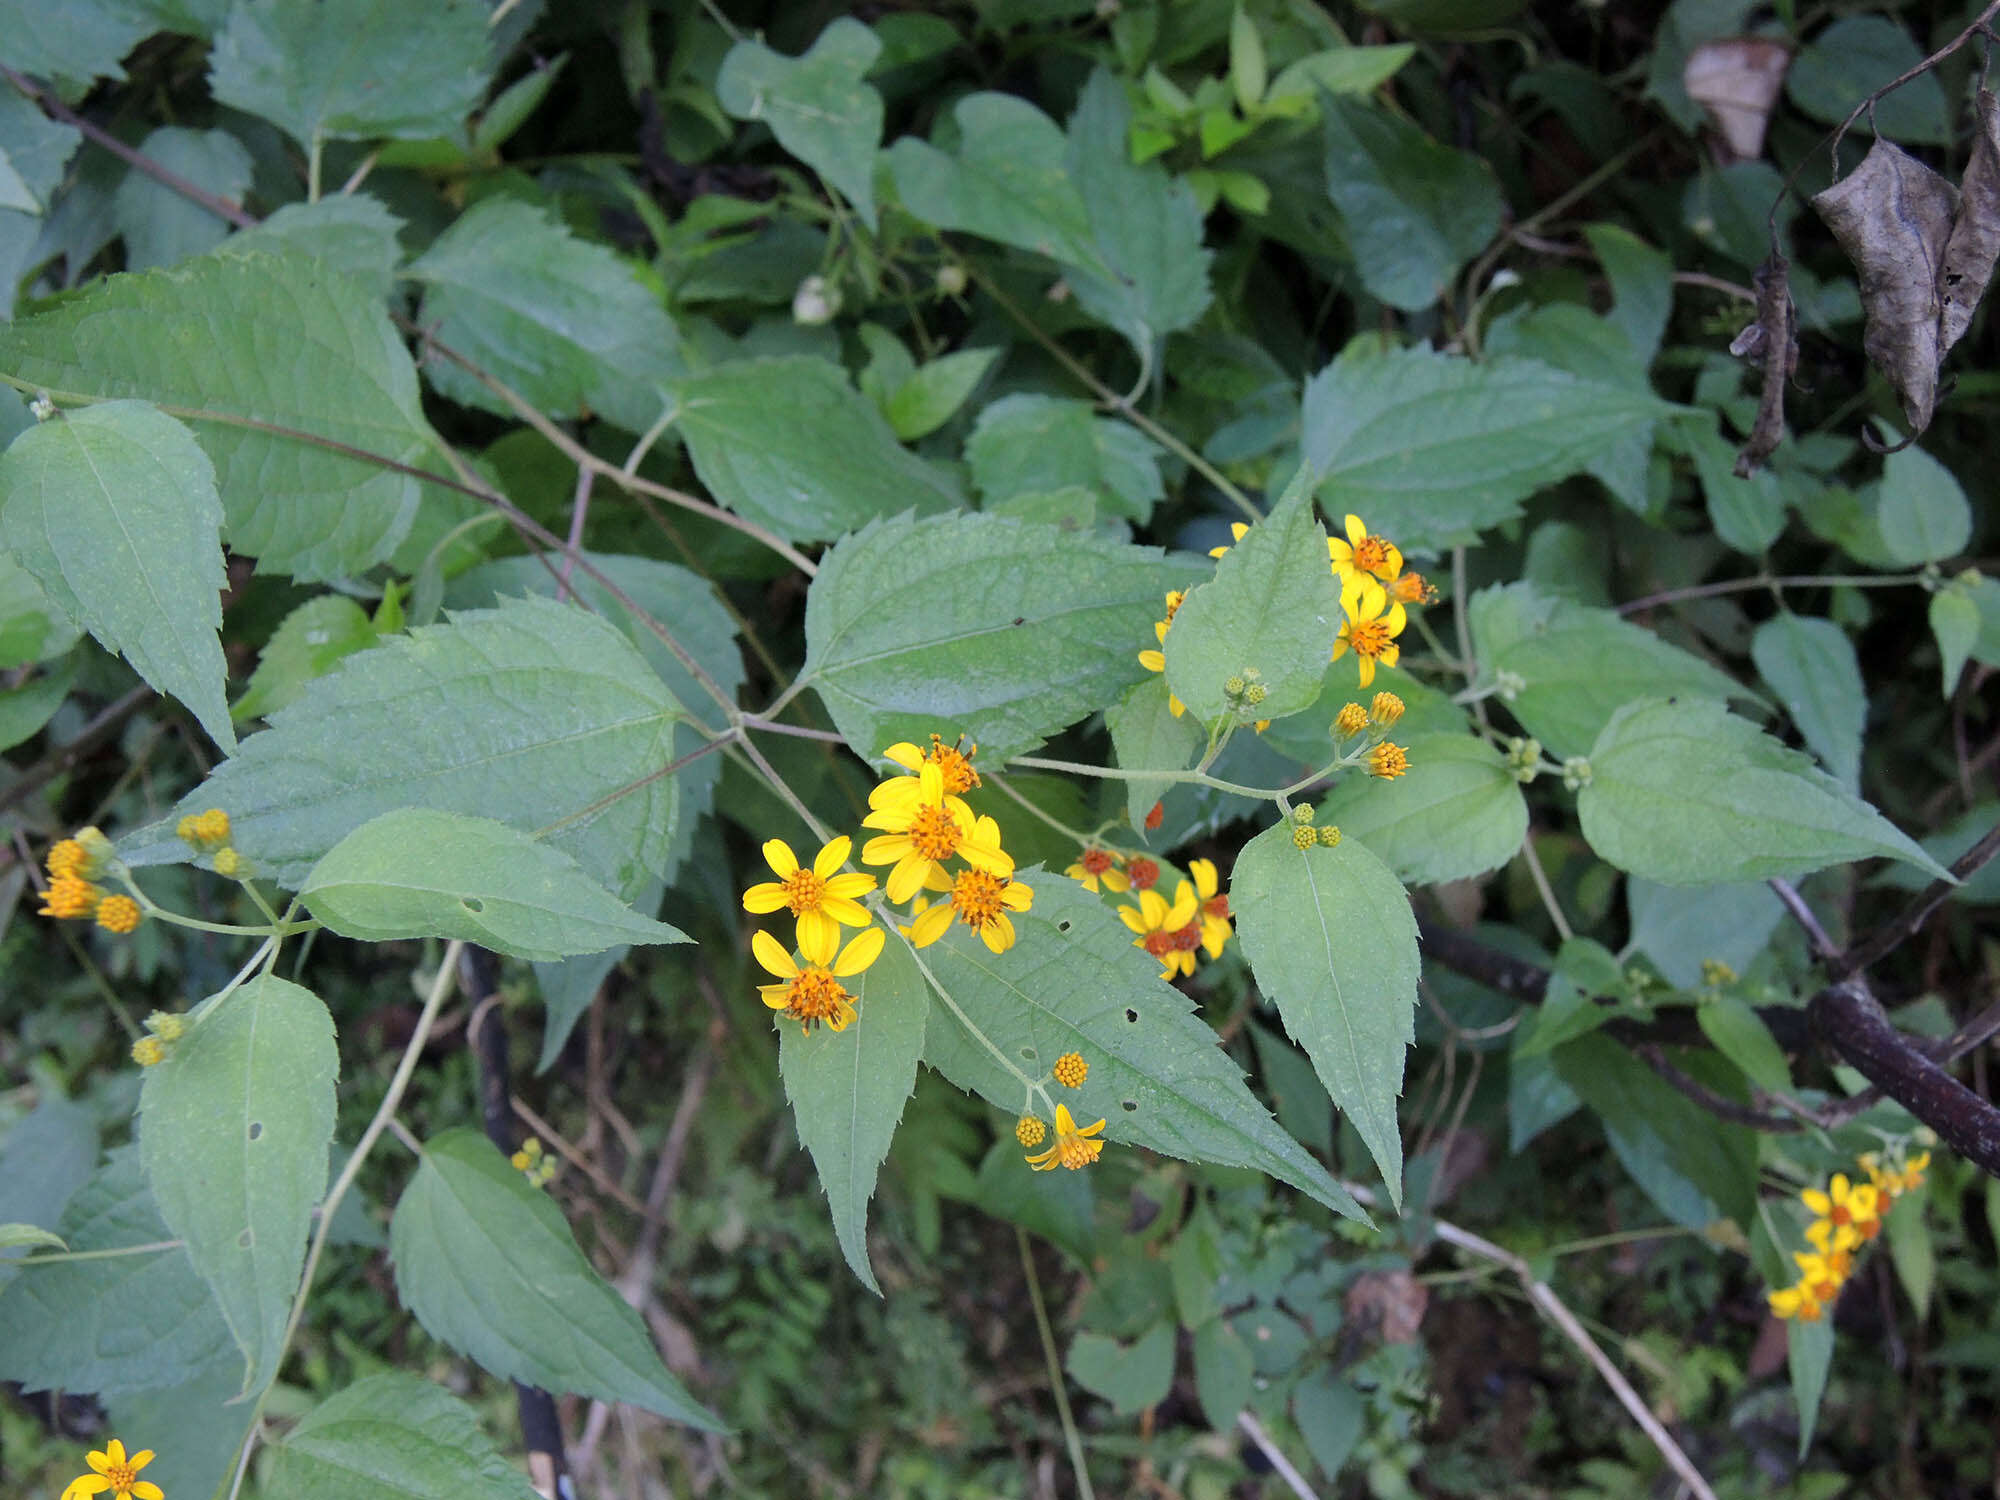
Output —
<point x="533" y="1164"/>
<point x="166" y="1028"/>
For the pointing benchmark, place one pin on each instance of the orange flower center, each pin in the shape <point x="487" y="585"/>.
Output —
<point x="1158" y="943"/>
<point x="1370" y="638"/>
<point x="1144" y="874"/>
<point x="1370" y="553"/>
<point x="976" y="897"/>
<point x="1096" y="861"/>
<point x="122" y="1476"/>
<point x="1184" y="939"/>
<point x="1412" y="588"/>
<point x="1174" y="606"/>
<point x="1840" y="1215"/>
<point x="935" y="833"/>
<point x="954" y="765"/>
<point x="1216" y="906"/>
<point x="816" y="996"/>
<point x="803" y="891"/>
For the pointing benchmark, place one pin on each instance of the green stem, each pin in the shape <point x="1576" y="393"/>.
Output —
<point x="152" y="1249"/>
<point x="1082" y="839"/>
<point x="1056" y="1386"/>
<point x="1766" y="581"/>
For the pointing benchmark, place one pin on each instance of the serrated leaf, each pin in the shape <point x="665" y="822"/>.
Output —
<point x="1073" y="981"/>
<point x="391" y="1437"/>
<point x="354" y="69"/>
<point x="1413" y="211"/>
<point x="1677" y="927"/>
<point x="1131" y="1376"/>
<point x="350" y="232"/>
<point x="1146" y="225"/>
<point x="1331" y="939"/>
<point x="847" y="1091"/>
<point x="1008" y="180"/>
<point x="1922" y="510"/>
<point x="1579" y="664"/>
<point x="419" y="872"/>
<point x="234" y="1127"/>
<point x="1430" y="447"/>
<point x="927" y="397"/>
<point x="1004" y="630"/>
<point x="1457" y="812"/>
<point x="78" y="41"/>
<point x="33" y="150"/>
<point x="1032" y="444"/>
<point x="113" y="509"/>
<point x="819" y="106"/>
<point x="1688" y="794"/>
<point x="306" y="645"/>
<point x="1147" y="735"/>
<point x="282" y="342"/>
<point x="487" y="1264"/>
<point x="1269" y="616"/>
<point x="791" y="445"/>
<point x="1954" y="621"/>
<point x="161" y="225"/>
<point x="123" y="1323"/>
<point x="563" y="321"/>
<point x="1811" y="666"/>
<point x="534" y="711"/>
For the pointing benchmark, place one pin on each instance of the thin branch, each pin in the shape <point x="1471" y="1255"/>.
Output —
<point x="1745" y="585"/>
<point x="1823" y="946"/>
<point x="1719" y="1105"/>
<point x="1884" y="940"/>
<point x="1274" y="1455"/>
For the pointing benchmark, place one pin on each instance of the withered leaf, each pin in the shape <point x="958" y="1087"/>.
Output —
<point x="1892" y="215"/>
<point x="1974" y="244"/>
<point x="1736" y="80"/>
<point x="1773" y="342"/>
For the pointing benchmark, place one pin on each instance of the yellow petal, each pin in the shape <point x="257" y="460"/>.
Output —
<point x="139" y="1460"/>
<point x="1017" y="897"/>
<point x="777" y="996"/>
<point x="998" y="934"/>
<point x="1153" y="661"/>
<point x="847" y="887"/>
<point x="1357" y="530"/>
<point x="859" y="954"/>
<point x="773" y="957"/>
<point x="832" y="857"/>
<point x="1367" y="670"/>
<point x="886" y="850"/>
<point x="1183" y="907"/>
<point x="766" y="897"/>
<point x="778" y="855"/>
<point x="1203" y="871"/>
<point x="1816" y="1202"/>
<point x="1391" y="654"/>
<point x="1397" y="618"/>
<point x="930" y="926"/>
<point x="906" y="755"/>
<point x="145" y="1489"/>
<point x="1065" y="1125"/>
<point x="1133" y="918"/>
<point x="931" y="784"/>
<point x="86" y="1485"/>
<point x="818" y="945"/>
<point x="897" y="793"/>
<point x="847" y="913"/>
<point x="908" y="876"/>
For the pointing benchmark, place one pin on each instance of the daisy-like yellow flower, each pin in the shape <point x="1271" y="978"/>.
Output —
<point x="979" y="900"/>
<point x="1237" y="531"/>
<point x="1156" y="661"/>
<point x="1363" y="553"/>
<point x="68" y="857"/>
<point x="1169" y="933"/>
<point x="812" y="993"/>
<point x="923" y="827"/>
<point x="1099" y="867"/>
<point x="1823" y="1275"/>
<point x="1388" y="761"/>
<point x="1371" y="626"/>
<point x="1893" y="1182"/>
<point x="70" y="896"/>
<point x="954" y="762"/>
<point x="1350" y="721"/>
<point x="1847" y="1203"/>
<point x="113" y="1473"/>
<point x="1412" y="588"/>
<point x="1833" y="1240"/>
<point x="1797" y="1302"/>
<point x="820" y="897"/>
<point x="1214" y="910"/>
<point x="1074" y="1148"/>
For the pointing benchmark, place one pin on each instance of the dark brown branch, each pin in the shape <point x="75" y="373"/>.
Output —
<point x="1719" y="1105"/>
<point x="1887" y="938"/>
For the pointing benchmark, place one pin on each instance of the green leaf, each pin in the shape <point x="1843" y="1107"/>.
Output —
<point x="282" y="342"/>
<point x="1003" y="630"/>
<point x="1688" y="794"/>
<point x="1146" y="224"/>
<point x="1911" y="1250"/>
<point x="391" y="1437"/>
<point x="847" y="1091"/>
<point x="18" y="1236"/>
<point x="1223" y="1369"/>
<point x="127" y="1322"/>
<point x="1330" y="937"/>
<point x="349" y="232"/>
<point x="1853" y="57"/>
<point x="1740" y="1035"/>
<point x="563" y="321"/>
<point x="1809" y="1353"/>
<point x="113" y="509"/>
<point x="1074" y="982"/>
<point x="1430" y="447"/>
<point x="1458" y="812"/>
<point x="1584" y="970"/>
<point x="1330" y="1414"/>
<point x="234" y="1127"/>
<point x="1339" y="70"/>
<point x="306" y="645"/>
<point x="1132" y="1376"/>
<point x="1677" y="927"/>
<point x="1248" y="76"/>
<point x="1268" y="616"/>
<point x="1147" y="735"/>
<point x="1748" y="514"/>
<point x="487" y="1264"/>
<point x="1579" y="665"/>
<point x="791" y="445"/>
<point x="420" y="872"/>
<point x="161" y="225"/>
<point x="1030" y="444"/>
<point x="33" y="149"/>
<point x="1946" y="845"/>
<point x="353" y="69"/>
<point x="25" y="709"/>
<point x="205" y="1423"/>
<point x="1922" y="511"/>
<point x="32" y="628"/>
<point x="1413" y="211"/>
<point x="925" y="401"/>
<point x="1954" y="622"/>
<point x="44" y="1159"/>
<point x="78" y="41"/>
<point x="1985" y="594"/>
<point x="1008" y="181"/>
<point x="819" y="106"/>
<point x="1811" y="667"/>
<point x="1642" y="287"/>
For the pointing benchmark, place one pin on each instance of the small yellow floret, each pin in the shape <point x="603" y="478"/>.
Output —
<point x="1329" y="836"/>
<point x="1029" y="1131"/>
<point x="1388" y="761"/>
<point x="118" y="914"/>
<point x="66" y="857"/>
<point x="230" y="865"/>
<point x="1071" y="1070"/>
<point x="1386" y="709"/>
<point x="167" y="1026"/>
<point x="148" y="1050"/>
<point x="1350" y="721"/>
<point x="1304" y="836"/>
<point x="70" y="896"/>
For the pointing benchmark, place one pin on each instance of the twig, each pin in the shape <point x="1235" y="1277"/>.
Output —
<point x="1880" y="943"/>
<point x="1056" y="1387"/>
<point x="1719" y="1105"/>
<point x="1823" y="946"/>
<point x="1745" y="585"/>
<point x="575" y="1158"/>
<point x="1274" y="1455"/>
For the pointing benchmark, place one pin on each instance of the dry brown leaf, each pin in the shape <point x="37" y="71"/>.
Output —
<point x="1974" y="244"/>
<point x="1892" y="215"/>
<point x="1736" y="80"/>
<point x="1773" y="342"/>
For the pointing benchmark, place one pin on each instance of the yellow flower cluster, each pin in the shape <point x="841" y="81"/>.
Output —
<point x="166" y="1029"/>
<point x="533" y="1163"/>
<point x="1383" y="759"/>
<point x="115" y="1474"/>
<point x="1845" y="1217"/>
<point x="75" y="867"/>
<point x="1198" y="918"/>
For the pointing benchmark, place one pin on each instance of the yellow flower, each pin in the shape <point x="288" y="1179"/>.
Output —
<point x="1371" y="626"/>
<point x="925" y="826"/>
<point x="1412" y="588"/>
<point x="1156" y="661"/>
<point x="204" y="830"/>
<point x="1893" y="1182"/>
<point x="1823" y="1275"/>
<point x="819" y="897"/>
<point x="1388" y="761"/>
<point x="954" y="762"/>
<point x="117" y="1474"/>
<point x="1386" y="709"/>
<point x="1073" y="1147"/>
<point x="67" y="857"/>
<point x="1070" y="1071"/>
<point x="70" y="896"/>
<point x="149" y="1051"/>
<point x="813" y="993"/>
<point x="979" y="900"/>
<point x="118" y="914"/>
<point x="231" y="865"/>
<point x="1215" y="913"/>
<point x="1832" y="1240"/>
<point x="1238" y="531"/>
<point x="1029" y="1131"/>
<point x="1797" y="1302"/>
<point x="1362" y="553"/>
<point x="1350" y="721"/>
<point x="1167" y="932"/>
<point x="1858" y="1204"/>
<point x="1095" y="867"/>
